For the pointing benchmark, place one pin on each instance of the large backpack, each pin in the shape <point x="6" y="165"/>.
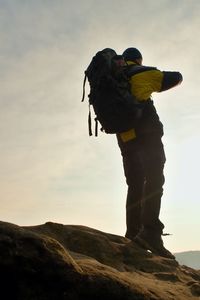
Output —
<point x="115" y="107"/>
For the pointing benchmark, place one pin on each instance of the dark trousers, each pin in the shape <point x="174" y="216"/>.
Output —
<point x="143" y="161"/>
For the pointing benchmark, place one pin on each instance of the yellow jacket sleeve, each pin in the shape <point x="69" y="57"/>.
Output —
<point x="145" y="83"/>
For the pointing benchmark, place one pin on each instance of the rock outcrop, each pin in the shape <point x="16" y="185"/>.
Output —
<point x="55" y="261"/>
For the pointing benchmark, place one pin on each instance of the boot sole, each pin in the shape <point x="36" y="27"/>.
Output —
<point x="143" y="244"/>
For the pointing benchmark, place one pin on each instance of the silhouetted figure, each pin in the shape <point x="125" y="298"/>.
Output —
<point x="143" y="156"/>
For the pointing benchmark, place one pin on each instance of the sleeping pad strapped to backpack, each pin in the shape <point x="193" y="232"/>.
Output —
<point x="115" y="107"/>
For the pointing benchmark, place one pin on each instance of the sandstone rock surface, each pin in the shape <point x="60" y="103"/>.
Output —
<point x="55" y="261"/>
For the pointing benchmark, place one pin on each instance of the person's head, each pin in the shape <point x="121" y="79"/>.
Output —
<point x="133" y="54"/>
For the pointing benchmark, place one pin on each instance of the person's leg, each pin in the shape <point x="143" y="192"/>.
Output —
<point x="134" y="174"/>
<point x="150" y="236"/>
<point x="153" y="156"/>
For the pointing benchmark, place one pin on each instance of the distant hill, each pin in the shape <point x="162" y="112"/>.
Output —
<point x="189" y="258"/>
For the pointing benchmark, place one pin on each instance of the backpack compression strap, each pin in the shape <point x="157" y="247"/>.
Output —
<point x="89" y="122"/>
<point x="84" y="81"/>
<point x="89" y="115"/>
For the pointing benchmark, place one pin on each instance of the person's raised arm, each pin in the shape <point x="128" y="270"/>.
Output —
<point x="170" y="80"/>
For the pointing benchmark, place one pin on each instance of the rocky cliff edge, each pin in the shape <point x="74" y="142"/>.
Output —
<point x="55" y="261"/>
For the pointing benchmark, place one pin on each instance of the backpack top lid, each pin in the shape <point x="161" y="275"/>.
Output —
<point x="101" y="61"/>
<point x="106" y="65"/>
<point x="108" y="51"/>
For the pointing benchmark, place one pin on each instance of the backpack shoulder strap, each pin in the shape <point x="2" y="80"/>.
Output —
<point x="136" y="69"/>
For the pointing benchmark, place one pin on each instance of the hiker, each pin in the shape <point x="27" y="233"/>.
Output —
<point x="144" y="157"/>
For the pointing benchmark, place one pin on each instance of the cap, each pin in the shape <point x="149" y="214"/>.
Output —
<point x="132" y="54"/>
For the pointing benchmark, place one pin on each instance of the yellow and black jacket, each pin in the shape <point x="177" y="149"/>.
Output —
<point x="144" y="81"/>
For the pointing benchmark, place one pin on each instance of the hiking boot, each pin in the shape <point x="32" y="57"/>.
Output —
<point x="154" y="244"/>
<point x="131" y="235"/>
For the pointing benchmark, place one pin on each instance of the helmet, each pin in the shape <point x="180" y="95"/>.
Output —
<point x="132" y="54"/>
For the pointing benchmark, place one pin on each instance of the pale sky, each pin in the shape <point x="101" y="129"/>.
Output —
<point x="51" y="170"/>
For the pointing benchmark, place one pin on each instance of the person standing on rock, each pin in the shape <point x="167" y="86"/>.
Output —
<point x="144" y="157"/>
